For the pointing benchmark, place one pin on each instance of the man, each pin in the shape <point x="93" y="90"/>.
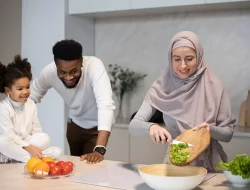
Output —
<point x="83" y="83"/>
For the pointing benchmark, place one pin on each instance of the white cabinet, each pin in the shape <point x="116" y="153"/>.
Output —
<point x="238" y="145"/>
<point x="97" y="6"/>
<point x="224" y="1"/>
<point x="118" y="145"/>
<point x="142" y="150"/>
<point x="133" y="149"/>
<point x="142" y="4"/>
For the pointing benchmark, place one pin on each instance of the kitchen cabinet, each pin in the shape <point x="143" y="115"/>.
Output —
<point x="224" y="1"/>
<point x="142" y="4"/>
<point x="96" y="6"/>
<point x="118" y="145"/>
<point x="142" y="150"/>
<point x="133" y="149"/>
<point x="102" y="8"/>
<point x="238" y="145"/>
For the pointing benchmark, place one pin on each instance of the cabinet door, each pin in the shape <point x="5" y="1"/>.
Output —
<point x="238" y="145"/>
<point x="144" y="151"/>
<point x="96" y="6"/>
<point x="141" y="4"/>
<point x="224" y="1"/>
<point x="118" y="145"/>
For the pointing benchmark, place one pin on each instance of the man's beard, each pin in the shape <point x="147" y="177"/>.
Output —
<point x="73" y="86"/>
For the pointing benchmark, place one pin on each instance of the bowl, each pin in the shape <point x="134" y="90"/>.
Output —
<point x="27" y="174"/>
<point x="236" y="180"/>
<point x="164" y="176"/>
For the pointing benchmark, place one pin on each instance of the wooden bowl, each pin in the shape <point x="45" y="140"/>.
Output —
<point x="164" y="176"/>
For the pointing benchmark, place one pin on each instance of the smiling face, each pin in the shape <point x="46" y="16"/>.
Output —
<point x="69" y="72"/>
<point x="20" y="90"/>
<point x="184" y="61"/>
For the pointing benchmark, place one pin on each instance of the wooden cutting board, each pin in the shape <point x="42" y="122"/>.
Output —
<point x="200" y="140"/>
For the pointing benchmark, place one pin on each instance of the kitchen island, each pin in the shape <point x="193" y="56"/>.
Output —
<point x="11" y="178"/>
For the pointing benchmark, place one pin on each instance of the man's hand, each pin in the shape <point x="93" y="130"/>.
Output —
<point x="202" y="125"/>
<point x="34" y="151"/>
<point x="92" y="158"/>
<point x="95" y="157"/>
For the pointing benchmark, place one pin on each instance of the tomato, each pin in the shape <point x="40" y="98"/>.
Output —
<point x="51" y="164"/>
<point x="55" y="170"/>
<point x="69" y="164"/>
<point x="66" y="169"/>
<point x="60" y="163"/>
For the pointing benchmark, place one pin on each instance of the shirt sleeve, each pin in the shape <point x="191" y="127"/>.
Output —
<point x="225" y="124"/>
<point x="103" y="94"/>
<point x="7" y="129"/>
<point x="41" y="85"/>
<point x="139" y="125"/>
<point x="36" y="127"/>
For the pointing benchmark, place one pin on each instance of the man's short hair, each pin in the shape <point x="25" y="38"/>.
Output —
<point x="67" y="50"/>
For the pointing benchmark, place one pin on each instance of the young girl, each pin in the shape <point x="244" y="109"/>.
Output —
<point x="21" y="135"/>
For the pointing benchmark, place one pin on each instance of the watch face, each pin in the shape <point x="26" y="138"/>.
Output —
<point x="101" y="150"/>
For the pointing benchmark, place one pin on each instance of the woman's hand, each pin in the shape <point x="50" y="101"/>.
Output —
<point x="34" y="151"/>
<point x="159" y="134"/>
<point x="202" y="125"/>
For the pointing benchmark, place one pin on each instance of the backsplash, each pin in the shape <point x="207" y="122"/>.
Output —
<point x="141" y="43"/>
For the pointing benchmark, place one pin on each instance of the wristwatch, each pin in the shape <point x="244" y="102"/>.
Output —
<point x="100" y="149"/>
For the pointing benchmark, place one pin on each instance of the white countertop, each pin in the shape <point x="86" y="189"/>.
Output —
<point x="11" y="178"/>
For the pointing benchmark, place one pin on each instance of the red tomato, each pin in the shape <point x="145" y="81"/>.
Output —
<point x="66" y="169"/>
<point x="51" y="164"/>
<point x="60" y="163"/>
<point x="69" y="164"/>
<point x="55" y="170"/>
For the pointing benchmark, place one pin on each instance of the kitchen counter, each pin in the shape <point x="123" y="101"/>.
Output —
<point x="11" y="177"/>
<point x="241" y="131"/>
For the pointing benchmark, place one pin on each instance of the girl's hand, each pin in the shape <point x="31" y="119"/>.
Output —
<point x="159" y="134"/>
<point x="202" y="125"/>
<point x="34" y="151"/>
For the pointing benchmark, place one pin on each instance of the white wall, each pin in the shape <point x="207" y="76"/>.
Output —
<point x="43" y="24"/>
<point x="141" y="43"/>
<point x="10" y="31"/>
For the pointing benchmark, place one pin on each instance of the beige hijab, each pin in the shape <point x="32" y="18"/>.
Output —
<point x="192" y="101"/>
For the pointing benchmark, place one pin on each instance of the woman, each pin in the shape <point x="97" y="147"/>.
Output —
<point x="21" y="135"/>
<point x="190" y="96"/>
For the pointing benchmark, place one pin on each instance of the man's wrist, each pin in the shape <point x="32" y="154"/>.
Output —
<point x="100" y="149"/>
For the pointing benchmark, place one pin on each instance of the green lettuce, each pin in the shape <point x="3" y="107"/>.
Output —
<point x="177" y="157"/>
<point x="240" y="165"/>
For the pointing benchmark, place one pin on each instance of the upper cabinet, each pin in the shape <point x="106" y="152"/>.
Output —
<point x="225" y="1"/>
<point x="97" y="8"/>
<point x="143" y="4"/>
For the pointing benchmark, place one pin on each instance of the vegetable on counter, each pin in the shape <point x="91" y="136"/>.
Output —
<point x="177" y="156"/>
<point x="240" y="165"/>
